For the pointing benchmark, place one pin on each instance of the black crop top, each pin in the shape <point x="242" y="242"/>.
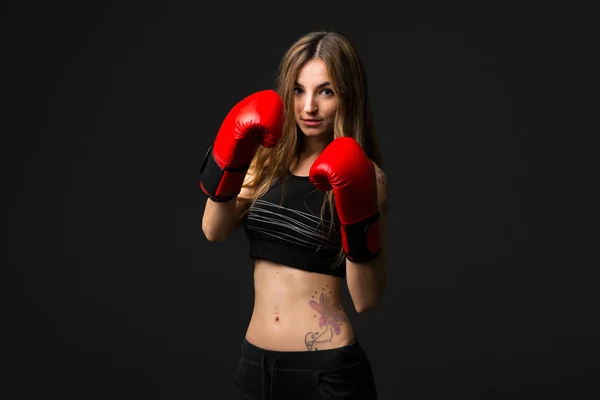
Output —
<point x="290" y="232"/>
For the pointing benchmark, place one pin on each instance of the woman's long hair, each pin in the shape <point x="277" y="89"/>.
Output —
<point x="353" y="117"/>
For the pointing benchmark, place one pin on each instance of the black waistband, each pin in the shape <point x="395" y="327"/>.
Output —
<point x="308" y="360"/>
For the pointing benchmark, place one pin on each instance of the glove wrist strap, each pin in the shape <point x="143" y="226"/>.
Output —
<point x="361" y="240"/>
<point x="220" y="184"/>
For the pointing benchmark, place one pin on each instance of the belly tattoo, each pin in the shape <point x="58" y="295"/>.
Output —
<point x="331" y="319"/>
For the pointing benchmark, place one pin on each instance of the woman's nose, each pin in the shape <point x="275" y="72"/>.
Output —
<point x="310" y="106"/>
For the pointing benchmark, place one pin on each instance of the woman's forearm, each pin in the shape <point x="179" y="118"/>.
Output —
<point x="366" y="283"/>
<point x="219" y="219"/>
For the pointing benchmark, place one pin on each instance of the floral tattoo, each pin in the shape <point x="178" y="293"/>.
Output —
<point x="330" y="320"/>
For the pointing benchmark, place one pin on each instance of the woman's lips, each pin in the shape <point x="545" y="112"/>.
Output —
<point x="312" y="122"/>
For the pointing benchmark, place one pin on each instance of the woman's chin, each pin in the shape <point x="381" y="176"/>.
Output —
<point x="308" y="132"/>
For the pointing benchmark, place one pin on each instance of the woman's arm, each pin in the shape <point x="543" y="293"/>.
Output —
<point x="367" y="280"/>
<point x="257" y="119"/>
<point x="221" y="218"/>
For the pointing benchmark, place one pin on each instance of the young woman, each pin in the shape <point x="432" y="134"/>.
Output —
<point x="299" y="169"/>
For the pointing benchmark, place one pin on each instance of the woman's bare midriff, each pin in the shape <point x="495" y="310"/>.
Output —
<point x="295" y="310"/>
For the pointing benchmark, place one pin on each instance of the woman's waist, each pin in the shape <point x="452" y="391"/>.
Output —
<point x="299" y="331"/>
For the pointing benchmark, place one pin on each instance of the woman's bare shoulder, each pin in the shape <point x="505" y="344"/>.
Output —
<point x="380" y="175"/>
<point x="382" y="188"/>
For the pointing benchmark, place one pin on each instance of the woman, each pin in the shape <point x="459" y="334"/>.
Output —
<point x="299" y="169"/>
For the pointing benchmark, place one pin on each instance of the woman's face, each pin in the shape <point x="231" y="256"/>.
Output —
<point x="315" y="103"/>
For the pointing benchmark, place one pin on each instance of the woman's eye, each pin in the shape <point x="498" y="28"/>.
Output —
<point x="326" y="92"/>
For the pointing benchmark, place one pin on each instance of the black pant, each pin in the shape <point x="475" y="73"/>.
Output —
<point x="343" y="373"/>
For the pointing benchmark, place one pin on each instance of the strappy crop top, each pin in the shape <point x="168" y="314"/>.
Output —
<point x="289" y="231"/>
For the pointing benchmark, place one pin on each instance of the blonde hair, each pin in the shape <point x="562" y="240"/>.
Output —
<point x="353" y="117"/>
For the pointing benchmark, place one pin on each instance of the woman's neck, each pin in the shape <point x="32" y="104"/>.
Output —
<point x="312" y="147"/>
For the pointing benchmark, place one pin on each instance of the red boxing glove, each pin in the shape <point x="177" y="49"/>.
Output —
<point x="257" y="119"/>
<point x="344" y="167"/>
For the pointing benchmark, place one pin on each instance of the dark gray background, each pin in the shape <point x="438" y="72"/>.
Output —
<point x="486" y="117"/>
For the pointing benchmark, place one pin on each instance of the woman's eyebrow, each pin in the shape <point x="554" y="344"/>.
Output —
<point x="318" y="86"/>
